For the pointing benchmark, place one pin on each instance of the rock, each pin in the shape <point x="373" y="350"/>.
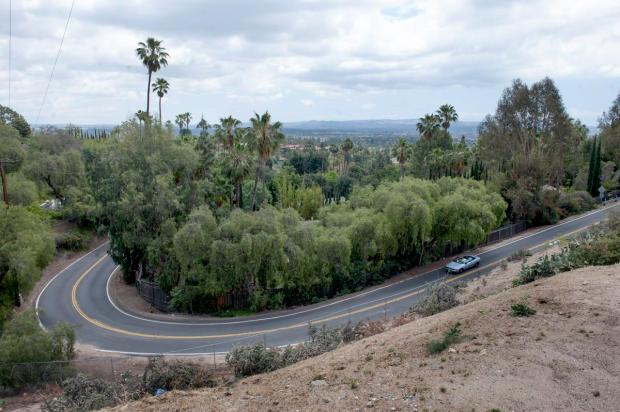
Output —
<point x="318" y="382"/>
<point x="452" y="350"/>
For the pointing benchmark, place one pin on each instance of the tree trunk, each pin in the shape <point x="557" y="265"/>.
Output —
<point x="255" y="186"/>
<point x="238" y="194"/>
<point x="160" y="111"/>
<point x="148" y="95"/>
<point x="5" y="190"/>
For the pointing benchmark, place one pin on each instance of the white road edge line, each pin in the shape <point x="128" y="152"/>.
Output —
<point x="36" y="304"/>
<point x="351" y="297"/>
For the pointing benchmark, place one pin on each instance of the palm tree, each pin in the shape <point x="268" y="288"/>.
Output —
<point x="237" y="167"/>
<point x="428" y="125"/>
<point x="447" y="115"/>
<point x="187" y="116"/>
<point x="203" y="125"/>
<point x="401" y="151"/>
<point x="160" y="86"/>
<point x="225" y="131"/>
<point x="266" y="138"/>
<point x="180" y="121"/>
<point x="153" y="57"/>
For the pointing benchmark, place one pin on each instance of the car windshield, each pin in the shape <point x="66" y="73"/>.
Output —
<point x="462" y="260"/>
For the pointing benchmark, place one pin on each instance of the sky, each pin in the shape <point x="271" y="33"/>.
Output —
<point x="306" y="59"/>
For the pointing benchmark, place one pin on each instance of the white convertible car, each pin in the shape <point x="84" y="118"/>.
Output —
<point x="463" y="263"/>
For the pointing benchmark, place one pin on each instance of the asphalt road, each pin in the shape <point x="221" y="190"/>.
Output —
<point x="78" y="295"/>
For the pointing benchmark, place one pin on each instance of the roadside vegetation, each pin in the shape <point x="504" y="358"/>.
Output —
<point x="598" y="246"/>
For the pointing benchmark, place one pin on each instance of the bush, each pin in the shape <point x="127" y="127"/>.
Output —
<point x="251" y="360"/>
<point x="599" y="246"/>
<point x="439" y="297"/>
<point x="521" y="309"/>
<point x="173" y="375"/>
<point x="519" y="255"/>
<point x="542" y="268"/>
<point x="254" y="359"/>
<point x="450" y="336"/>
<point x="74" y="240"/>
<point x="29" y="355"/>
<point x="575" y="202"/>
<point x="82" y="393"/>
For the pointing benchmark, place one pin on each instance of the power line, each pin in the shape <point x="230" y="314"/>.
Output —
<point x="62" y="40"/>
<point x="10" y="38"/>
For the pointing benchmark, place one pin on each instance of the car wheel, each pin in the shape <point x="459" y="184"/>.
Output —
<point x="477" y="263"/>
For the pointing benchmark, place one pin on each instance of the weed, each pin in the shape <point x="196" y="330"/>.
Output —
<point x="451" y="336"/>
<point x="522" y="310"/>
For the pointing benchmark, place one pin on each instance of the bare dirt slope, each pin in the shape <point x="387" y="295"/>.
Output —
<point x="565" y="357"/>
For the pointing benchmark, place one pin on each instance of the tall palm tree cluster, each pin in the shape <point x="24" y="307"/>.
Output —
<point x="154" y="57"/>
<point x="238" y="144"/>
<point x="442" y="118"/>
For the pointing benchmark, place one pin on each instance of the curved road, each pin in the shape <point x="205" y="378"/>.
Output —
<point x="78" y="295"/>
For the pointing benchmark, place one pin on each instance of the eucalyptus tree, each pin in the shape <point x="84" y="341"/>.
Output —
<point x="447" y="114"/>
<point x="153" y="56"/>
<point x="428" y="125"/>
<point x="160" y="86"/>
<point x="11" y="156"/>
<point x="265" y="140"/>
<point x="402" y="152"/>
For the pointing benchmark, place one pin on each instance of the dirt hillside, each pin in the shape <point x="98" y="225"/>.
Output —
<point x="565" y="357"/>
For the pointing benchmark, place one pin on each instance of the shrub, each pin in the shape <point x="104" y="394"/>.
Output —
<point x="29" y="355"/>
<point x="522" y="310"/>
<point x="543" y="267"/>
<point x="599" y="246"/>
<point x="75" y="240"/>
<point x="519" y="255"/>
<point x="251" y="360"/>
<point x="438" y="297"/>
<point x="254" y="359"/>
<point x="173" y="375"/>
<point x="575" y="202"/>
<point x="83" y="393"/>
<point x="450" y="336"/>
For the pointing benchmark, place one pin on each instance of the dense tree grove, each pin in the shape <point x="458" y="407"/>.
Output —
<point x="241" y="210"/>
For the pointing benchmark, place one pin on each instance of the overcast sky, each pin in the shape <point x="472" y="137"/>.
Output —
<point x="308" y="59"/>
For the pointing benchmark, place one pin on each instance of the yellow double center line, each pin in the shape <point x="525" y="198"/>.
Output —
<point x="111" y="328"/>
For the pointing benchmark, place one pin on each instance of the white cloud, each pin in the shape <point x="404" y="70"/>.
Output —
<point x="308" y="59"/>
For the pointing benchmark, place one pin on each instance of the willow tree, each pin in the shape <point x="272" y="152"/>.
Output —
<point x="153" y="56"/>
<point x="265" y="140"/>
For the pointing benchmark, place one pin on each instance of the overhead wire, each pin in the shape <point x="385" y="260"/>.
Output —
<point x="62" y="40"/>
<point x="10" y="41"/>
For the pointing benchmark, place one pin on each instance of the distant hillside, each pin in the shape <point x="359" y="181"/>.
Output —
<point x="372" y="132"/>
<point x="387" y="126"/>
